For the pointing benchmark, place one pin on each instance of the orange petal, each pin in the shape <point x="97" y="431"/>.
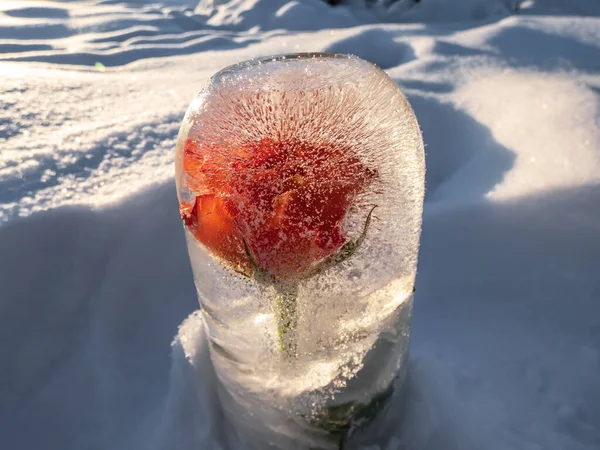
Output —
<point x="215" y="228"/>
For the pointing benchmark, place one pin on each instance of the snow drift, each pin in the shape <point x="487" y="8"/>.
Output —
<point x="95" y="279"/>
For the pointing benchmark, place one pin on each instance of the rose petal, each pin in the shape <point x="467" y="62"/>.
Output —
<point x="288" y="200"/>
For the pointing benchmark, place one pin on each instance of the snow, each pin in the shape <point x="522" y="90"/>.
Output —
<point x="95" y="348"/>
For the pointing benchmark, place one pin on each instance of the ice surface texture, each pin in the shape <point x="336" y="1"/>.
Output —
<point x="301" y="180"/>
<point x="505" y="338"/>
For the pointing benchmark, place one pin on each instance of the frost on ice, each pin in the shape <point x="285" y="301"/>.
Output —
<point x="301" y="184"/>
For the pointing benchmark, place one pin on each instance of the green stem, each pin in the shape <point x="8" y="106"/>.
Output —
<point x="287" y="294"/>
<point x="287" y="319"/>
<point x="343" y="439"/>
<point x="285" y="305"/>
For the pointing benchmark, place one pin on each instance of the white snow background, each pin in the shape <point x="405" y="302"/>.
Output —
<point x="94" y="273"/>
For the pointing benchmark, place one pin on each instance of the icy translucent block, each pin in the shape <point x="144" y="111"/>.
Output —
<point x="301" y="182"/>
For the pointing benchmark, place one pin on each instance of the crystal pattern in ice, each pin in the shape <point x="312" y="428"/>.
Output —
<point x="301" y="182"/>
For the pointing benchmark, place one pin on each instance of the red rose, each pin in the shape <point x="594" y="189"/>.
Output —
<point x="285" y="201"/>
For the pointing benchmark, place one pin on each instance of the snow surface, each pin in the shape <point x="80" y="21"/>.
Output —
<point x="95" y="278"/>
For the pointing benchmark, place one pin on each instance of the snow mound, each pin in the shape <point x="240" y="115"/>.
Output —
<point x="273" y="14"/>
<point x="377" y="45"/>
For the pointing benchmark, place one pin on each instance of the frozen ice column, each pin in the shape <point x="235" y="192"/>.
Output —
<point x="301" y="181"/>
